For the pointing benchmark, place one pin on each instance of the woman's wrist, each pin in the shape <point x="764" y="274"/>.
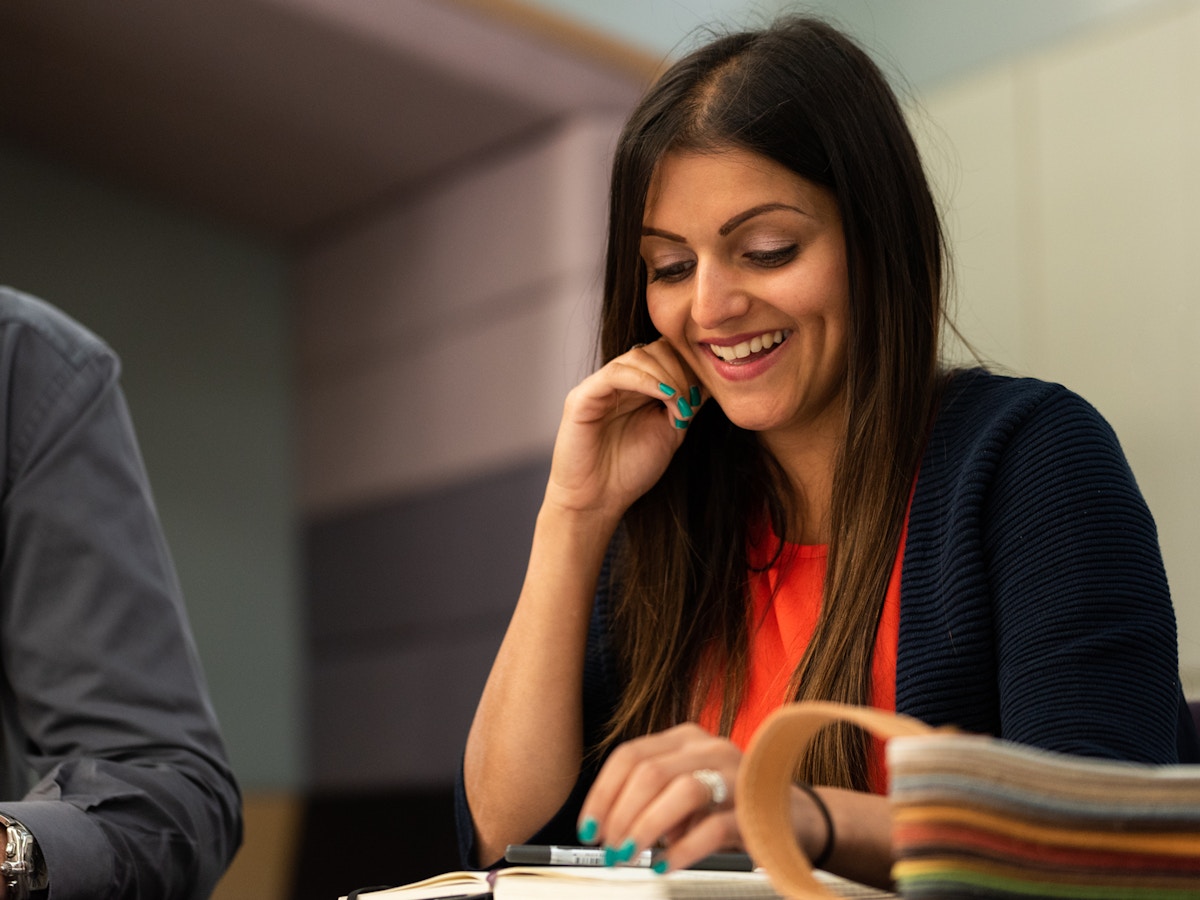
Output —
<point x="580" y="525"/>
<point x="564" y="561"/>
<point x="822" y="850"/>
<point x="861" y="845"/>
<point x="812" y="824"/>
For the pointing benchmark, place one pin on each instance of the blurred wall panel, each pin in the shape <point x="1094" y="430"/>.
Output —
<point x="438" y="341"/>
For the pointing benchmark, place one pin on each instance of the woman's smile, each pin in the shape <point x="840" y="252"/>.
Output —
<point x="742" y="351"/>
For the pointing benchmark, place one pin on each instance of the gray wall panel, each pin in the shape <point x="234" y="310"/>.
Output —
<point x="408" y="601"/>
<point x="397" y="716"/>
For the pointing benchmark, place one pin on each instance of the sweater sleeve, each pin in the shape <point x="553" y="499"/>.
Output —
<point x="1034" y="603"/>
<point x="1084" y="628"/>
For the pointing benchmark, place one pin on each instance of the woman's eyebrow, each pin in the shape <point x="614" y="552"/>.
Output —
<point x="648" y="231"/>
<point x="741" y="218"/>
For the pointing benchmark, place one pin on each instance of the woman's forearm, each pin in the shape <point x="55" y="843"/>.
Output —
<point x="524" y="748"/>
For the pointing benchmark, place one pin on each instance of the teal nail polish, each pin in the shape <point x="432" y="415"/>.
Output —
<point x="626" y="850"/>
<point x="684" y="409"/>
<point x="587" y="831"/>
<point x="661" y="866"/>
<point x="666" y="389"/>
<point x="611" y="857"/>
<point x="694" y="396"/>
<point x="680" y="424"/>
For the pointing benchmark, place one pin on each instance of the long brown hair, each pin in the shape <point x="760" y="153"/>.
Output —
<point x="806" y="96"/>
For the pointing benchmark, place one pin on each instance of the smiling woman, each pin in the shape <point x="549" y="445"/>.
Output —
<point x="773" y="489"/>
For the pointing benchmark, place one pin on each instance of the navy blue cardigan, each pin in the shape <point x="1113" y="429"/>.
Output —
<point x="1033" y="600"/>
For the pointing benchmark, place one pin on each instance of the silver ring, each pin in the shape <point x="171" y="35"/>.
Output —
<point x="714" y="783"/>
<point x="637" y="346"/>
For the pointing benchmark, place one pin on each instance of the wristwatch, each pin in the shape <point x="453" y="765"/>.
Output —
<point x="23" y="869"/>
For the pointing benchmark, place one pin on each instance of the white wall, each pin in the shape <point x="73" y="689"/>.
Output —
<point x="1070" y="180"/>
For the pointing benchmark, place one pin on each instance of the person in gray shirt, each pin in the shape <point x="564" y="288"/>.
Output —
<point x="114" y="780"/>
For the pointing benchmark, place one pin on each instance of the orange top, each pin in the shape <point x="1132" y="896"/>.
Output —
<point x="785" y="601"/>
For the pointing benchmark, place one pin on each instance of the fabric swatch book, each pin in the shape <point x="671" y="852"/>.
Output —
<point x="1002" y="820"/>
<point x="979" y="817"/>
<point x="600" y="883"/>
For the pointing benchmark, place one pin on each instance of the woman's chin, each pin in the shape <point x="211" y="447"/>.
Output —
<point x="751" y="419"/>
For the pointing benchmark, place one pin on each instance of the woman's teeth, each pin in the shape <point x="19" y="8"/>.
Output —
<point x="750" y="347"/>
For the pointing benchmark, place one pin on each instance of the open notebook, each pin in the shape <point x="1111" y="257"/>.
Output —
<point x="598" y="883"/>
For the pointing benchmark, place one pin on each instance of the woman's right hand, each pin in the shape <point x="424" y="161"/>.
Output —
<point x="620" y="427"/>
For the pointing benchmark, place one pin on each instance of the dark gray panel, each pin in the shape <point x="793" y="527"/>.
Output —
<point x="397" y="717"/>
<point x="408" y="601"/>
<point x="449" y="559"/>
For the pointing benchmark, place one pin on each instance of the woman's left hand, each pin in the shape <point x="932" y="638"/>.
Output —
<point x="648" y="793"/>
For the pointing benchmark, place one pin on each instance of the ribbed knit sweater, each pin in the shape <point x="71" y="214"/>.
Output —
<point x="1034" y="604"/>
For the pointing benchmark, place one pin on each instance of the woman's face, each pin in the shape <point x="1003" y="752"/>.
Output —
<point x="746" y="279"/>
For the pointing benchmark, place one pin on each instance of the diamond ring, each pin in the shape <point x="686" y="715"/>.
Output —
<point x="714" y="783"/>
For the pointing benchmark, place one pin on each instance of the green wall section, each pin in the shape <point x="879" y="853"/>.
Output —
<point x="199" y="316"/>
<point x="926" y="41"/>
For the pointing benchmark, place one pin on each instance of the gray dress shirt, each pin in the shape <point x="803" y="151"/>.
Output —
<point x="110" y="755"/>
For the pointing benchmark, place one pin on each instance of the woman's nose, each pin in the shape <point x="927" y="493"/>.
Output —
<point x="718" y="296"/>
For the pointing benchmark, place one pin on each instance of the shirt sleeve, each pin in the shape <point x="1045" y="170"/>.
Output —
<point x="105" y="709"/>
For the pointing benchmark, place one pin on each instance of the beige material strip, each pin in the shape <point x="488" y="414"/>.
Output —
<point x="573" y="37"/>
<point x="1117" y="840"/>
<point x="764" y="785"/>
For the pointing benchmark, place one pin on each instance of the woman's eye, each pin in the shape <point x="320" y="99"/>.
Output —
<point x="774" y="257"/>
<point x="671" y="272"/>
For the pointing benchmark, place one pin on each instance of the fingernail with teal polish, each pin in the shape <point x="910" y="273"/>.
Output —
<point x="680" y="424"/>
<point x="611" y="856"/>
<point x="694" y="395"/>
<point x="660" y="866"/>
<point x="587" y="831"/>
<point x="684" y="409"/>
<point x="666" y="389"/>
<point x="626" y="850"/>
